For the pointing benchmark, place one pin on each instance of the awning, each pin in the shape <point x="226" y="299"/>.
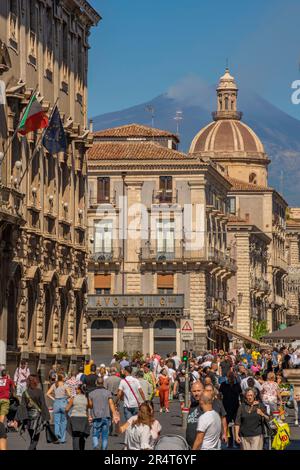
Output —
<point x="289" y="333"/>
<point x="239" y="335"/>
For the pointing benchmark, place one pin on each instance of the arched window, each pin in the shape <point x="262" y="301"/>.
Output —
<point x="226" y="103"/>
<point x="253" y="178"/>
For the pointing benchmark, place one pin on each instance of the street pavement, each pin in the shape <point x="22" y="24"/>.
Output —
<point x="171" y="424"/>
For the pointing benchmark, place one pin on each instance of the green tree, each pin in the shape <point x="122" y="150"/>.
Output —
<point x="259" y="329"/>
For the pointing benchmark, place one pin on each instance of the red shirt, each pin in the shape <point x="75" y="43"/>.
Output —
<point x="6" y="384"/>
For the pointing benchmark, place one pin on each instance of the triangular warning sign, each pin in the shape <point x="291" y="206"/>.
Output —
<point x="187" y="327"/>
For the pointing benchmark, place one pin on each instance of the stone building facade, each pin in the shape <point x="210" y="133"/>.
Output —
<point x="141" y="284"/>
<point x="258" y="226"/>
<point x="43" y="267"/>
<point x="237" y="275"/>
<point x="293" y="249"/>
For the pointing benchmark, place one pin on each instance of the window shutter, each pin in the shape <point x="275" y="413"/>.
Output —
<point x="102" y="281"/>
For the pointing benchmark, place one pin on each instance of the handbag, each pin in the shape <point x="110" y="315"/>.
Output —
<point x="50" y="434"/>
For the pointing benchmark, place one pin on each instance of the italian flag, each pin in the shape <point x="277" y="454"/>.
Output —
<point x="34" y="117"/>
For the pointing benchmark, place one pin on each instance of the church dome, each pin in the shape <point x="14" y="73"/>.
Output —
<point x="227" y="135"/>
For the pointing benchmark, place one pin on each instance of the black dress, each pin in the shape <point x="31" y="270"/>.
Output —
<point x="33" y="413"/>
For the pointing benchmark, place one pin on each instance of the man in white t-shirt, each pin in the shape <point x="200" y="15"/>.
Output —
<point x="130" y="390"/>
<point x="209" y="426"/>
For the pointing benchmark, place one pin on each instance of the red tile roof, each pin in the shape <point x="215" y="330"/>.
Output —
<point x="243" y="186"/>
<point x="133" y="151"/>
<point x="134" y="130"/>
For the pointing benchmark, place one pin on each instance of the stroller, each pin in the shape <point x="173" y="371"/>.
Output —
<point x="171" y="442"/>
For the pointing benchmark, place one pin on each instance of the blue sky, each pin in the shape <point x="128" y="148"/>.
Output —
<point x="142" y="48"/>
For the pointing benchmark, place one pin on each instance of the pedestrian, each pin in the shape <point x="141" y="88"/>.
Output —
<point x="77" y="409"/>
<point x="195" y="412"/>
<point x="59" y="393"/>
<point x="90" y="379"/>
<point x="150" y="377"/>
<point x="218" y="407"/>
<point x="111" y="383"/>
<point x="52" y="376"/>
<point x="249" y="423"/>
<point x="72" y="383"/>
<point x="102" y="407"/>
<point x="3" y="437"/>
<point x="33" y="412"/>
<point x="270" y="393"/>
<point x="80" y="374"/>
<point x="146" y="386"/>
<point x="164" y="390"/>
<point x="208" y="427"/>
<point x="131" y="391"/>
<point x="124" y="362"/>
<point x="176" y="359"/>
<point x="230" y="392"/>
<point x="20" y="378"/>
<point x="7" y="388"/>
<point x="138" y="435"/>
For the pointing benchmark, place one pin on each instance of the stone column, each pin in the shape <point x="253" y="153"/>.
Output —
<point x="243" y="283"/>
<point x="134" y="220"/>
<point x="198" y="309"/>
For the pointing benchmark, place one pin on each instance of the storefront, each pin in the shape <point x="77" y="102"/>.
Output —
<point x="147" y="323"/>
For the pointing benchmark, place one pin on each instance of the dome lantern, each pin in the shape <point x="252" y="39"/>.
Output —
<point x="227" y="92"/>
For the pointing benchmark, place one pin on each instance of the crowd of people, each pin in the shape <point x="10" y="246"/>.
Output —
<point x="232" y="396"/>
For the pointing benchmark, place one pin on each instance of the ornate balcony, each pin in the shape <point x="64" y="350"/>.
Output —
<point x="11" y="205"/>
<point x="104" y="260"/>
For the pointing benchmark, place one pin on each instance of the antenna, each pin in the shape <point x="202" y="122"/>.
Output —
<point x="227" y="62"/>
<point x="178" y="118"/>
<point x="150" y="109"/>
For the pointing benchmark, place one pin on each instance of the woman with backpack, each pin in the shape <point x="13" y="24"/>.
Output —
<point x="33" y="412"/>
<point x="59" y="393"/>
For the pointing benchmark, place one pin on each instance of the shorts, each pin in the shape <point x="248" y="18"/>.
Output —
<point x="3" y="434"/>
<point x="4" y="407"/>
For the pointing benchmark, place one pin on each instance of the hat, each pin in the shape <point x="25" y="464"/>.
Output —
<point x="102" y="365"/>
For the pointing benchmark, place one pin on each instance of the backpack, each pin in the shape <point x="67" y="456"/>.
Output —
<point x="171" y="442"/>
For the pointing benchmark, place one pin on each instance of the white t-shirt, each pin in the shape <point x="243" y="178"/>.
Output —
<point x="177" y="361"/>
<point x="210" y="424"/>
<point x="171" y="374"/>
<point x="195" y="375"/>
<point x="129" y="398"/>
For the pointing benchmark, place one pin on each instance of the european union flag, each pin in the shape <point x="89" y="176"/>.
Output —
<point x="54" y="139"/>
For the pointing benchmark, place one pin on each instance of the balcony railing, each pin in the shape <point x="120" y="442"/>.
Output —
<point x="94" y="201"/>
<point x="11" y="203"/>
<point x="113" y="256"/>
<point x="165" y="196"/>
<point x="227" y="115"/>
<point x="179" y="253"/>
<point x="279" y="262"/>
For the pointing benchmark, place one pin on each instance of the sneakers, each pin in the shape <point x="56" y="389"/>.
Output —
<point x="296" y="423"/>
<point x="161" y="410"/>
<point x="167" y="411"/>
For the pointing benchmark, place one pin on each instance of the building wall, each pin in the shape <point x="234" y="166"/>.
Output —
<point x="48" y="49"/>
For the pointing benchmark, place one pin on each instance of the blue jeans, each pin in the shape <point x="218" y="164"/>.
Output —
<point x="101" y="428"/>
<point x="60" y="418"/>
<point x="129" y="412"/>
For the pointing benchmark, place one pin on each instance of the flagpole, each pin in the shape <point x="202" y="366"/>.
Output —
<point x="37" y="145"/>
<point x="17" y="128"/>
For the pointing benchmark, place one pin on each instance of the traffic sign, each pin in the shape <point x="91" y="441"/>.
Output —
<point x="187" y="330"/>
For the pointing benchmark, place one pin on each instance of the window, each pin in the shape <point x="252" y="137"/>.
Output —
<point x="165" y="236"/>
<point x="253" y="178"/>
<point x="103" y="236"/>
<point x="165" y="188"/>
<point x="102" y="284"/>
<point x="165" y="284"/>
<point x="32" y="16"/>
<point x="102" y="291"/>
<point x="231" y="201"/>
<point x="13" y="8"/>
<point x="103" y="190"/>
